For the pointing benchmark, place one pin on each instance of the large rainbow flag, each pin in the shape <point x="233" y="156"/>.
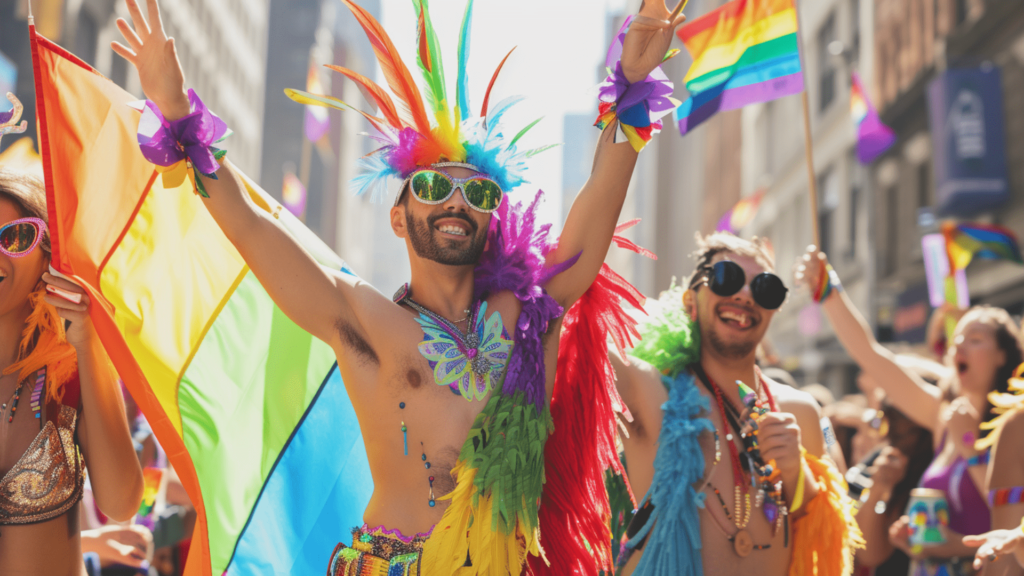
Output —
<point x="249" y="408"/>
<point x="873" y="137"/>
<point x="744" y="52"/>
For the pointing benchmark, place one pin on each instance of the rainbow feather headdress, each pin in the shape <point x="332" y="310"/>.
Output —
<point x="409" y="139"/>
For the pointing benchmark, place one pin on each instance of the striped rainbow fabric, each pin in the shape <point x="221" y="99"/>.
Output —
<point x="744" y="52"/>
<point x="250" y="408"/>
<point x="966" y="240"/>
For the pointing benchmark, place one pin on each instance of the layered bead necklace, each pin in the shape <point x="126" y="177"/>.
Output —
<point x="769" y="495"/>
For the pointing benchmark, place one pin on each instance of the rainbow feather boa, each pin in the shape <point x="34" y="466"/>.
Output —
<point x="511" y="480"/>
<point x="493" y="515"/>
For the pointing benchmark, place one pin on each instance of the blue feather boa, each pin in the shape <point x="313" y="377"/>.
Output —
<point x="674" y="548"/>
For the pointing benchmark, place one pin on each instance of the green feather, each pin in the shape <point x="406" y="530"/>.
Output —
<point x="670" y="340"/>
<point x="434" y="77"/>
<point x="524" y="131"/>
<point x="506" y="446"/>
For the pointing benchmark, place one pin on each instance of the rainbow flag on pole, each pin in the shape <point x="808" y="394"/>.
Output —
<point x="969" y="239"/>
<point x="249" y="408"/>
<point x="873" y="137"/>
<point x="744" y="52"/>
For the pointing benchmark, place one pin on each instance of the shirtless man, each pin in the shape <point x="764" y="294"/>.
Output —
<point x="375" y="339"/>
<point x="732" y="297"/>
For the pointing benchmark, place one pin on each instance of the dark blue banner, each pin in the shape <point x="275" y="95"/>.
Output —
<point x="966" y="112"/>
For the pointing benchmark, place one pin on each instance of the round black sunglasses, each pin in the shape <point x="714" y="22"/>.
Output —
<point x="726" y="278"/>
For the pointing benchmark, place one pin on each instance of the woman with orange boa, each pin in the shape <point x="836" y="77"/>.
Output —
<point x="60" y="402"/>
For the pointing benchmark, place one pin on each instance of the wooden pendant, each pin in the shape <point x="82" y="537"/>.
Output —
<point x="743" y="543"/>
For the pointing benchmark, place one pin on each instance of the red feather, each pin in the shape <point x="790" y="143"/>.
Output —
<point x="574" y="508"/>
<point x="383" y="100"/>
<point x="395" y="71"/>
<point x="424" y="44"/>
<point x="487" y="95"/>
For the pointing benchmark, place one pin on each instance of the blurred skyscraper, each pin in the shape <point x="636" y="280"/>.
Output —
<point x="222" y="45"/>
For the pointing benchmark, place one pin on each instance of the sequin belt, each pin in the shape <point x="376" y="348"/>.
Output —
<point x="378" y="552"/>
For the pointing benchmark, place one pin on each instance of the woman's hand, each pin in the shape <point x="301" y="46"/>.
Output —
<point x="153" y="55"/>
<point x="81" y="331"/>
<point x="992" y="545"/>
<point x="887" y="471"/>
<point x="962" y="420"/>
<point x="899" y="534"/>
<point x="649" y="37"/>
<point x="119" y="545"/>
<point x="810" y="268"/>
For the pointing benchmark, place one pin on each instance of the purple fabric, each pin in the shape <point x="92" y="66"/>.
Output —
<point x="5" y="117"/>
<point x="968" y="512"/>
<point x="615" y="50"/>
<point x="188" y="137"/>
<point x="873" y="138"/>
<point x="515" y="261"/>
<point x="652" y="93"/>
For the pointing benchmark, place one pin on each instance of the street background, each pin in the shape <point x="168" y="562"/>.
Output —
<point x="910" y="54"/>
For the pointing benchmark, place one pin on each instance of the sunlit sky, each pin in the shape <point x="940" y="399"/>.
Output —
<point x="561" y="44"/>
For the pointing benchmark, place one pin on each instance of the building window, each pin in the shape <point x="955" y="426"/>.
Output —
<point x="961" y="11"/>
<point x="826" y="64"/>
<point x="828" y="202"/>
<point x="924" y="185"/>
<point x="892" y="230"/>
<point x="855" y="29"/>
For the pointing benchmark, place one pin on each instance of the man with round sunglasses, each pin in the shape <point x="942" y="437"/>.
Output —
<point x="452" y="378"/>
<point x="731" y="466"/>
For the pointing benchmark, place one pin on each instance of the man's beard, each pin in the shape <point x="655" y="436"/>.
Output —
<point x="426" y="244"/>
<point x="730" y="350"/>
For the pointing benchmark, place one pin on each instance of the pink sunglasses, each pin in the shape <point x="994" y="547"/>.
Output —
<point x="20" y="237"/>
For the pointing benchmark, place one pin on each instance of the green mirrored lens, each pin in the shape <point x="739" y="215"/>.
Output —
<point x="19" y="237"/>
<point x="484" y="194"/>
<point x="431" y="186"/>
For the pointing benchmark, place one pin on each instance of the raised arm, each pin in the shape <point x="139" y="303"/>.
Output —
<point x="910" y="394"/>
<point x="591" y="222"/>
<point x="315" y="298"/>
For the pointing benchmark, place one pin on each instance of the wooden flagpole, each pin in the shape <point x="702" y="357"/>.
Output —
<point x="812" y="181"/>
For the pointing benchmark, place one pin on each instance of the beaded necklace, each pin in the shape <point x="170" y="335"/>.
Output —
<point x="774" y="509"/>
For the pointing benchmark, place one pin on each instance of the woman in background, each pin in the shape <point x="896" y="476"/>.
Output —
<point x="60" y="402"/>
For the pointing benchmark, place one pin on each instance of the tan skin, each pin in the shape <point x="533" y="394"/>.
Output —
<point x="781" y="433"/>
<point x="975" y="353"/>
<point x="375" y="340"/>
<point x="1006" y="540"/>
<point x="54" y="547"/>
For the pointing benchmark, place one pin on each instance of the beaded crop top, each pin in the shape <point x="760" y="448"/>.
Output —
<point x="48" y="479"/>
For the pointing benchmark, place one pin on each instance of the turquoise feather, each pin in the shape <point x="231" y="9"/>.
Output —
<point x="462" y="83"/>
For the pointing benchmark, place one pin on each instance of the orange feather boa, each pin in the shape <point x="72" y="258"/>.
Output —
<point x="825" y="537"/>
<point x="44" y="343"/>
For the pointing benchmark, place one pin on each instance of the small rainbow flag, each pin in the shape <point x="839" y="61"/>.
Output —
<point x="741" y="214"/>
<point x="873" y="137"/>
<point x="969" y="239"/>
<point x="744" y="52"/>
<point x="152" y="477"/>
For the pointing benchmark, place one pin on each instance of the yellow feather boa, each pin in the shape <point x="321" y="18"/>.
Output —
<point x="825" y="537"/>
<point x="466" y="528"/>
